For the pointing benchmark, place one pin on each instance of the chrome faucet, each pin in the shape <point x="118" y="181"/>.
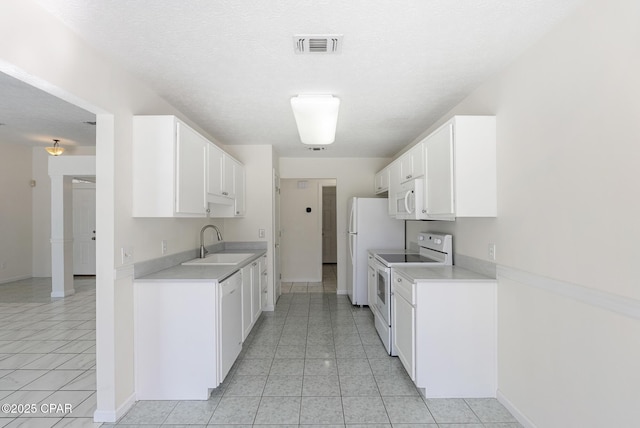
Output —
<point x="203" y="251"/>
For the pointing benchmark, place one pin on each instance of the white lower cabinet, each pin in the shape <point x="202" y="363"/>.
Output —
<point x="177" y="338"/>
<point x="251" y="296"/>
<point x="403" y="314"/>
<point x="264" y="282"/>
<point x="445" y="333"/>
<point x="188" y="334"/>
<point x="246" y="302"/>
<point x="230" y="329"/>
<point x="256" y="292"/>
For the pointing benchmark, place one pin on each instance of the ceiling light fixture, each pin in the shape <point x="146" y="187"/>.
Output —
<point x="316" y="117"/>
<point x="56" y="150"/>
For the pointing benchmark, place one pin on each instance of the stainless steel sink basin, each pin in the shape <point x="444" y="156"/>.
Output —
<point x="220" y="259"/>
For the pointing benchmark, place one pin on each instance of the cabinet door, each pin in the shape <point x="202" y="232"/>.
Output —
<point x="228" y="176"/>
<point x="439" y="186"/>
<point x="264" y="281"/>
<point x="371" y="285"/>
<point x="190" y="172"/>
<point x="230" y="325"/>
<point x="403" y="326"/>
<point x="406" y="167"/>
<point x="394" y="186"/>
<point x="382" y="181"/>
<point x="215" y="168"/>
<point x="417" y="160"/>
<point x="239" y="189"/>
<point x="255" y="292"/>
<point x="246" y="301"/>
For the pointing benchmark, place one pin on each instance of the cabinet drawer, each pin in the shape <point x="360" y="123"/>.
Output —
<point x="403" y="286"/>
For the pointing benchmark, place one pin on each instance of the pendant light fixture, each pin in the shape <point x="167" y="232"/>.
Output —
<point x="56" y="150"/>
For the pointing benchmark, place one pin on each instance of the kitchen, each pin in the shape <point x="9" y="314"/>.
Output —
<point x="557" y="107"/>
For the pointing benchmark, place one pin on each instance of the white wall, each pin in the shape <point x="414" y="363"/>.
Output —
<point x="15" y="212"/>
<point x="355" y="177"/>
<point x="65" y="66"/>
<point x="568" y="155"/>
<point x="301" y="231"/>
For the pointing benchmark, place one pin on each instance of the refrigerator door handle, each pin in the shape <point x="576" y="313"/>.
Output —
<point x="351" y="238"/>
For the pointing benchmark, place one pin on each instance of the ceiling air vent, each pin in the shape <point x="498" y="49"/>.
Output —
<point x="317" y="43"/>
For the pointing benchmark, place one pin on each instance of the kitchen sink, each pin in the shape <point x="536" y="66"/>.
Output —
<point x="220" y="259"/>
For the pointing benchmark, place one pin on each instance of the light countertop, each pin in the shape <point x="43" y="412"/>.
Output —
<point x="441" y="273"/>
<point x="201" y="273"/>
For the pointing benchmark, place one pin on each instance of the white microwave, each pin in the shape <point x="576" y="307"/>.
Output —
<point x="410" y="201"/>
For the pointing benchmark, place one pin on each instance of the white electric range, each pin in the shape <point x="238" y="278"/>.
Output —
<point x="434" y="249"/>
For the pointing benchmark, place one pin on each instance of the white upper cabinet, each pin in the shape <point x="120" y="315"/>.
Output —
<point x="382" y="181"/>
<point x="394" y="186"/>
<point x="239" y="189"/>
<point x="461" y="169"/>
<point x="225" y="184"/>
<point x="458" y="165"/>
<point x="412" y="163"/>
<point x="169" y="168"/>
<point x="179" y="173"/>
<point x="215" y="172"/>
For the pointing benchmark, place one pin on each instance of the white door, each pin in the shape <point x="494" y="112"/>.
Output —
<point x="84" y="229"/>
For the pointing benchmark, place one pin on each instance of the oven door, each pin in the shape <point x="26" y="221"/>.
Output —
<point x="383" y="293"/>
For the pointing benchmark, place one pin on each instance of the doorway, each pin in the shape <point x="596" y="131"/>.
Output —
<point x="329" y="229"/>
<point x="84" y="227"/>
<point x="307" y="233"/>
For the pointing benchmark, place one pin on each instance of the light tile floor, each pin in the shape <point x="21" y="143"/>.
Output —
<point x="315" y="361"/>
<point x="47" y="355"/>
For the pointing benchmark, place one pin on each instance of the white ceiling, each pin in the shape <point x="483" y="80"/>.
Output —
<point x="230" y="65"/>
<point x="33" y="117"/>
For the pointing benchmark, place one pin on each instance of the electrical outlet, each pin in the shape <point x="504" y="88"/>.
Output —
<point x="261" y="233"/>
<point x="164" y="246"/>
<point x="127" y="255"/>
<point x="492" y="252"/>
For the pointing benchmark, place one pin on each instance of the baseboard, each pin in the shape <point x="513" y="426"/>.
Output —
<point x="524" y="421"/>
<point x="14" y="278"/>
<point x="302" y="280"/>
<point x="269" y="308"/>
<point x="341" y="292"/>
<point x="113" y="416"/>
<point x="60" y="294"/>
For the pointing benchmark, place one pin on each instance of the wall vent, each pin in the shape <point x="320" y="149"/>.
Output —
<point x="317" y="43"/>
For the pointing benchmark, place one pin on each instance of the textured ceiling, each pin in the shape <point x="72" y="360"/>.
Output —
<point x="230" y="65"/>
<point x="33" y="117"/>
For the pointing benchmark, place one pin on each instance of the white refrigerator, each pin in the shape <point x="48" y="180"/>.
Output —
<point x="370" y="227"/>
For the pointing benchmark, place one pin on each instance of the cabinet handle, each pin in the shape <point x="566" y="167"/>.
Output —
<point x="254" y="264"/>
<point x="232" y="291"/>
<point x="409" y="176"/>
<point x="399" y="280"/>
<point x="237" y="212"/>
<point x="225" y="193"/>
